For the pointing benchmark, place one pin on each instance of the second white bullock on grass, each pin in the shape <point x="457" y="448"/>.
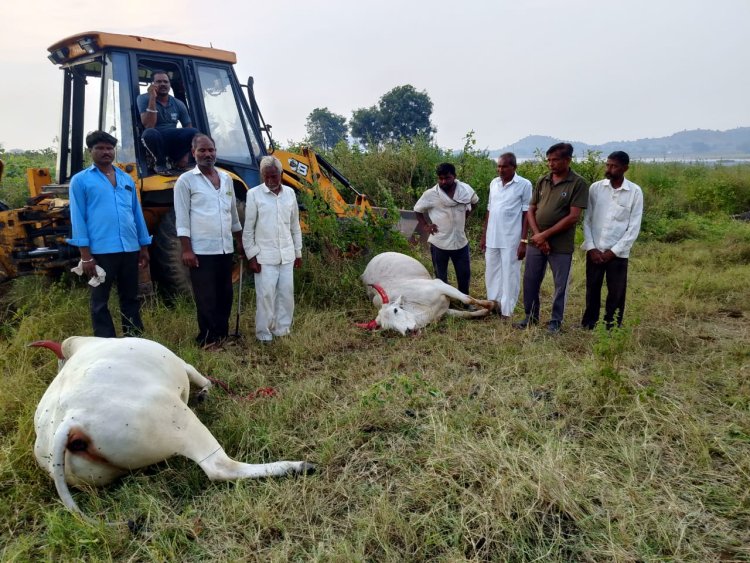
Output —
<point x="119" y="404"/>
<point x="408" y="296"/>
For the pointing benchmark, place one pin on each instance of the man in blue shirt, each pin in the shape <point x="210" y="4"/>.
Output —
<point x="110" y="231"/>
<point x="160" y="113"/>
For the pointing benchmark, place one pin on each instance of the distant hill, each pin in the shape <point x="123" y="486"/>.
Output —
<point x="694" y="144"/>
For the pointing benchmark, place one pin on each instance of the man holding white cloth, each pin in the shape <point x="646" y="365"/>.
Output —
<point x="504" y="226"/>
<point x="272" y="239"/>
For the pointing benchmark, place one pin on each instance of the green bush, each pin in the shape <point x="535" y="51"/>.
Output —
<point x="13" y="187"/>
<point x="337" y="249"/>
<point x="399" y="171"/>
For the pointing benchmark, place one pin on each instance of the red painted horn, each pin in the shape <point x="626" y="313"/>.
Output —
<point x="56" y="347"/>
<point x="381" y="291"/>
<point x="372" y="325"/>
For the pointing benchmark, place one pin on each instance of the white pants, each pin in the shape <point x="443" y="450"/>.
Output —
<point x="274" y="300"/>
<point x="502" y="277"/>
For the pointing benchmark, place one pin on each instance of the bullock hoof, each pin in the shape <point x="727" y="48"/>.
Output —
<point x="307" y="468"/>
<point x="138" y="525"/>
<point x="202" y="395"/>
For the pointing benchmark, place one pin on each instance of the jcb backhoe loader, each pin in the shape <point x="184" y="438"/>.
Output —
<point x="103" y="74"/>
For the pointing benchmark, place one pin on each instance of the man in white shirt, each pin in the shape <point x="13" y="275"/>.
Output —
<point x="273" y="244"/>
<point x="448" y="204"/>
<point x="504" y="226"/>
<point x="206" y="219"/>
<point x="610" y="227"/>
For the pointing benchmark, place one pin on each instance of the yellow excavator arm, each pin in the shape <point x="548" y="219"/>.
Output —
<point x="311" y="173"/>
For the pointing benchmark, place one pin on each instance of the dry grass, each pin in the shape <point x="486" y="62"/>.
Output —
<point x="471" y="441"/>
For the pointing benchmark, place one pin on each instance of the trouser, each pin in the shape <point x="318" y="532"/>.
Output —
<point x="461" y="263"/>
<point x="173" y="143"/>
<point x="123" y="268"/>
<point x="533" y="275"/>
<point x="502" y="277"/>
<point x="616" y="273"/>
<point x="212" y="289"/>
<point x="274" y="297"/>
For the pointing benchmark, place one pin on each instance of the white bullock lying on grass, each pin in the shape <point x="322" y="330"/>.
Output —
<point x="418" y="299"/>
<point x="121" y="404"/>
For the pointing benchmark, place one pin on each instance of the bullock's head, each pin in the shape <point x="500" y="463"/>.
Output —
<point x="392" y="315"/>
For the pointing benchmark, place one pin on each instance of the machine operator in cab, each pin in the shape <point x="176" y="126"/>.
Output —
<point x="160" y="113"/>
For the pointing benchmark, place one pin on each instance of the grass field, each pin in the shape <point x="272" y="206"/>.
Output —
<point x="470" y="441"/>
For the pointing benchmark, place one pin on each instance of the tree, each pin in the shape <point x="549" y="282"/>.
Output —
<point x="401" y="113"/>
<point x="367" y="125"/>
<point x="325" y="128"/>
<point x="406" y="113"/>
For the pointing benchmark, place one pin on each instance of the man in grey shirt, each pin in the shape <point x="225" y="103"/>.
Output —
<point x="160" y="113"/>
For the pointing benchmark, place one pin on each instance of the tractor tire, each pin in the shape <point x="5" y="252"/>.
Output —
<point x="170" y="273"/>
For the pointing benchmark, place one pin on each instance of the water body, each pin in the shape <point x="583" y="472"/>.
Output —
<point x="666" y="159"/>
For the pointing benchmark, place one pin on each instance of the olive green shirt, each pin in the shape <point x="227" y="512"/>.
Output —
<point x="553" y="203"/>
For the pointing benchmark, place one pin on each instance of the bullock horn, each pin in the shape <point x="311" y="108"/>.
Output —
<point x="56" y="347"/>
<point x="381" y="291"/>
<point x="372" y="325"/>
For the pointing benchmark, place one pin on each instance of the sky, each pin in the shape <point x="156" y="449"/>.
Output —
<point x="580" y="70"/>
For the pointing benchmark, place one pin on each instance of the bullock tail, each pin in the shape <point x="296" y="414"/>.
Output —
<point x="59" y="445"/>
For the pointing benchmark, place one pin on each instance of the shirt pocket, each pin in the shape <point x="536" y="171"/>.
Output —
<point x="124" y="199"/>
<point x="621" y="211"/>
<point x="225" y="201"/>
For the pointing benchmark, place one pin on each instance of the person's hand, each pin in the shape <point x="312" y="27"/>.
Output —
<point x="89" y="267"/>
<point x="483" y="243"/>
<point x="190" y="259"/>
<point x="545" y="248"/>
<point x="607" y="256"/>
<point x="152" y="91"/>
<point x="432" y="228"/>
<point x="538" y="240"/>
<point x="521" y="251"/>
<point x="595" y="255"/>
<point x="143" y="259"/>
<point x="297" y="263"/>
<point x="254" y="266"/>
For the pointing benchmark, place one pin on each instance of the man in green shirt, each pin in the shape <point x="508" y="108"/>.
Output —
<point x="556" y="204"/>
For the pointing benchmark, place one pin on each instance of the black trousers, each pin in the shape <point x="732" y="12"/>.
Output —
<point x="212" y="289"/>
<point x="173" y="143"/>
<point x="461" y="263"/>
<point x="121" y="267"/>
<point x="616" y="273"/>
